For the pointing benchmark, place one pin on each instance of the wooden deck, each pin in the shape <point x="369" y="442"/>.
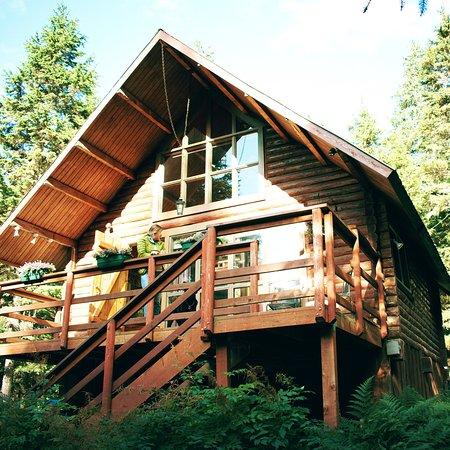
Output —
<point x="359" y="311"/>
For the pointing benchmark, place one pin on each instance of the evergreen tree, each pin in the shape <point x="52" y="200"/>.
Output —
<point x="46" y="100"/>
<point x="418" y="145"/>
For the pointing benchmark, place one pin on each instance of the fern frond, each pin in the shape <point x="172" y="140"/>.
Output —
<point x="409" y="397"/>
<point x="362" y="399"/>
<point x="422" y="6"/>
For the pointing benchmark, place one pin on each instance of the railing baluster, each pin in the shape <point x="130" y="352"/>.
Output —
<point x="208" y="279"/>
<point x="319" y="288"/>
<point x="68" y="296"/>
<point x="151" y="275"/>
<point x="381" y="304"/>
<point x="108" y="367"/>
<point x="329" y="252"/>
<point x="356" y="266"/>
<point x="254" y="278"/>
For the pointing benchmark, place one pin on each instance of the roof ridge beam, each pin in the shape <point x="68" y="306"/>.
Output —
<point x="104" y="158"/>
<point x="305" y="138"/>
<point x="143" y="109"/>
<point x="75" y="194"/>
<point x="267" y="117"/>
<point x="43" y="232"/>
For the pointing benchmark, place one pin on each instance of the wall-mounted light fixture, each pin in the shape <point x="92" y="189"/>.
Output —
<point x="398" y="244"/>
<point x="16" y="231"/>
<point x="332" y="152"/>
<point x="180" y="203"/>
<point x="34" y="240"/>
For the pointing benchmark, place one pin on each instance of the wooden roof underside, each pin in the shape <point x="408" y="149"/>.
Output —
<point x="132" y="122"/>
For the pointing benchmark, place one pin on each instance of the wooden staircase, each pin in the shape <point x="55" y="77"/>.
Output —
<point x="125" y="387"/>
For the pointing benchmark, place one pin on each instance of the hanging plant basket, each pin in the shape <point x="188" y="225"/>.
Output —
<point x="34" y="271"/>
<point x="112" y="258"/>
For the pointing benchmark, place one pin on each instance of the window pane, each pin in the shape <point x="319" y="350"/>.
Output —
<point x="222" y="187"/>
<point x="196" y="163"/>
<point x="195" y="193"/>
<point x="247" y="149"/>
<point x="170" y="196"/>
<point x="197" y="131"/>
<point x="242" y="125"/>
<point x="221" y="158"/>
<point x="248" y="181"/>
<point x="220" y="121"/>
<point x="172" y="168"/>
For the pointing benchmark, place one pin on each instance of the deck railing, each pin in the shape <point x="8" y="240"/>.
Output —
<point x="354" y="285"/>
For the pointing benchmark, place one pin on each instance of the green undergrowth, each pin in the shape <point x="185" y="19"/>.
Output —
<point x="255" y="415"/>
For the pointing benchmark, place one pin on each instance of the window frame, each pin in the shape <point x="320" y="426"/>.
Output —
<point x="207" y="145"/>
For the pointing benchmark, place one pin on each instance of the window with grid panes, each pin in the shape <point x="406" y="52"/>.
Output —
<point x="226" y="166"/>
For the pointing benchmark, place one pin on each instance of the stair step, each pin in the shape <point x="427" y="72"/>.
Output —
<point x="171" y="364"/>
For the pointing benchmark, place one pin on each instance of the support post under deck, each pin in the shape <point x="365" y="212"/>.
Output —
<point x="329" y="376"/>
<point x="222" y="362"/>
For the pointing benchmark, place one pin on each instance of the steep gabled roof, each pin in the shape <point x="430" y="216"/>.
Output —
<point x="131" y="122"/>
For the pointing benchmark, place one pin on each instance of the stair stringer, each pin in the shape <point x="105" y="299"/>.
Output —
<point x="160" y="373"/>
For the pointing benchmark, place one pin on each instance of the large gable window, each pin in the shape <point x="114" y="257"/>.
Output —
<point x="224" y="167"/>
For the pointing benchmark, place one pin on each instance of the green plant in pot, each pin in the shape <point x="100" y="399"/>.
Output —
<point x="35" y="270"/>
<point x="189" y="241"/>
<point x="112" y="257"/>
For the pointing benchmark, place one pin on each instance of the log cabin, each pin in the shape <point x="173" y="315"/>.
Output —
<point x="312" y="259"/>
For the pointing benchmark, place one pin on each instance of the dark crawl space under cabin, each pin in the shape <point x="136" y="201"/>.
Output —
<point x="293" y="249"/>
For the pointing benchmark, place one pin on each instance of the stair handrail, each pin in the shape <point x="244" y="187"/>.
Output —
<point x="121" y="316"/>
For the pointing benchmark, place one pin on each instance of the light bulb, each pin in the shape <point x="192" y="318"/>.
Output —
<point x="34" y="240"/>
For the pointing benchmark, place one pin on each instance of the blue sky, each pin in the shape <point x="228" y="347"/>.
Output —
<point x="322" y="58"/>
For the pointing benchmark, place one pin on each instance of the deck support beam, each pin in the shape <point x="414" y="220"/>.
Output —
<point x="330" y="394"/>
<point x="222" y="362"/>
<point x="143" y="109"/>
<point x="108" y="367"/>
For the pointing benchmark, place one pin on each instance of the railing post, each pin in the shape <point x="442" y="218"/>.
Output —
<point x="381" y="301"/>
<point x="68" y="296"/>
<point x="254" y="245"/>
<point x="208" y="278"/>
<point x="329" y="256"/>
<point x="151" y="274"/>
<point x="108" y="367"/>
<point x="319" y="289"/>
<point x="356" y="266"/>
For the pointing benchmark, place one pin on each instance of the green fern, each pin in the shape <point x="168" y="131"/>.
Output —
<point x="362" y="400"/>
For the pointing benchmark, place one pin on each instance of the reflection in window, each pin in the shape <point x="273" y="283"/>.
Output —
<point x="247" y="149"/>
<point x="172" y="168"/>
<point x="196" y="163"/>
<point x="222" y="187"/>
<point x="171" y="194"/>
<point x="222" y="156"/>
<point x="248" y="181"/>
<point x="195" y="192"/>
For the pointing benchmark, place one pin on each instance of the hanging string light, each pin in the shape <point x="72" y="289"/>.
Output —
<point x="34" y="240"/>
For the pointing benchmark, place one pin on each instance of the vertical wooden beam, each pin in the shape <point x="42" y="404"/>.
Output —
<point x="208" y="278"/>
<point x="319" y="289"/>
<point x="254" y="245"/>
<point x="68" y="296"/>
<point x="330" y="393"/>
<point x="356" y="266"/>
<point x="108" y="367"/>
<point x="381" y="301"/>
<point x="222" y="362"/>
<point x="151" y="274"/>
<point x="329" y="256"/>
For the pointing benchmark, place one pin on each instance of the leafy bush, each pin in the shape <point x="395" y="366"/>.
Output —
<point x="254" y="415"/>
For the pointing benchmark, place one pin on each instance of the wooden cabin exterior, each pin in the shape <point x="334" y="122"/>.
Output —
<point x="313" y="262"/>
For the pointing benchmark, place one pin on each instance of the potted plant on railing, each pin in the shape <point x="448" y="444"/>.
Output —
<point x="35" y="270"/>
<point x="189" y="241"/>
<point x="109" y="258"/>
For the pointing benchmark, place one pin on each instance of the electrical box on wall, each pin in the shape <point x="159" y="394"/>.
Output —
<point x="395" y="348"/>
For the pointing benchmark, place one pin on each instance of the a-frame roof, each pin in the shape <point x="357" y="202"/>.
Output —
<point x="131" y="122"/>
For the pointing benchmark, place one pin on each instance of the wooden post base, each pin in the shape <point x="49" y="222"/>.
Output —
<point x="222" y="362"/>
<point x="329" y="376"/>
